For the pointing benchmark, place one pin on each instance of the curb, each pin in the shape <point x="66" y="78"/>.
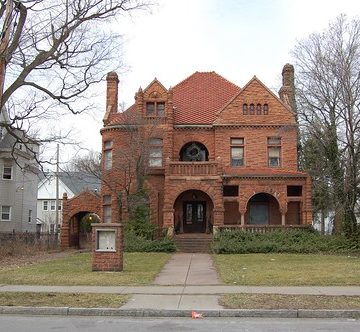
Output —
<point x="67" y="311"/>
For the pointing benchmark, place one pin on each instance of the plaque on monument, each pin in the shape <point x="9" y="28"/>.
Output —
<point x="105" y="240"/>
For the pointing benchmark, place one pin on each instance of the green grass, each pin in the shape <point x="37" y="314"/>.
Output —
<point x="288" y="269"/>
<point x="139" y="269"/>
<point x="73" y="300"/>
<point x="277" y="301"/>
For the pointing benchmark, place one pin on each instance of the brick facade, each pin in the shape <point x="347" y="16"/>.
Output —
<point x="197" y="122"/>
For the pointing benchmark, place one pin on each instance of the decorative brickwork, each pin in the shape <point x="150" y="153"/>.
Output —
<point x="206" y="110"/>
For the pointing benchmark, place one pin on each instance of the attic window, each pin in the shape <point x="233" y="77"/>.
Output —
<point x="266" y="109"/>
<point x="155" y="108"/>
<point x="252" y="109"/>
<point x="245" y="109"/>
<point x="258" y="109"/>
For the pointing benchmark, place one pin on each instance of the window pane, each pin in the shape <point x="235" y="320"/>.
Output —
<point x="160" y="108"/>
<point x="155" y="162"/>
<point x="237" y="152"/>
<point x="52" y="205"/>
<point x="7" y="172"/>
<point x="107" y="214"/>
<point x="108" y="159"/>
<point x="266" y="109"/>
<point x="108" y="145"/>
<point x="252" y="108"/>
<point x="150" y="108"/>
<point x="274" y="140"/>
<point x="107" y="199"/>
<point x="45" y="205"/>
<point x="258" y="109"/>
<point x="245" y="109"/>
<point x="5" y="212"/>
<point x="237" y="141"/>
<point x="274" y="152"/>
<point x="155" y="153"/>
<point x="155" y="141"/>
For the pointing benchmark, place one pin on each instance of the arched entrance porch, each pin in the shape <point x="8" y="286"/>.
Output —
<point x="193" y="211"/>
<point x="263" y="209"/>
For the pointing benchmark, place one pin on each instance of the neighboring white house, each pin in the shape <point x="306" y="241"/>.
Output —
<point x="71" y="183"/>
<point x="18" y="181"/>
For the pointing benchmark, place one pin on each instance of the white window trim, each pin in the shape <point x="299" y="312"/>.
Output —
<point x="1" y="212"/>
<point x="11" y="172"/>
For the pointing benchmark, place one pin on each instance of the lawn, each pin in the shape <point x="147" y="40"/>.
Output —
<point x="73" y="300"/>
<point x="139" y="269"/>
<point x="277" y="301"/>
<point x="288" y="269"/>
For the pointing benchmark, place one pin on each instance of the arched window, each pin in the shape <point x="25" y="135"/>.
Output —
<point x="258" y="109"/>
<point x="252" y="109"/>
<point x="266" y="109"/>
<point x="194" y="151"/>
<point x="245" y="109"/>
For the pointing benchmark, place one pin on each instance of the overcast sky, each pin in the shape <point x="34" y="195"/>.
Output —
<point x="236" y="38"/>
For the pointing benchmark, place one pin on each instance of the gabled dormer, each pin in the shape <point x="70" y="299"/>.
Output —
<point x="255" y="104"/>
<point x="154" y="100"/>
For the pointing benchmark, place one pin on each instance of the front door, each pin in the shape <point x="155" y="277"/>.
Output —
<point x="194" y="217"/>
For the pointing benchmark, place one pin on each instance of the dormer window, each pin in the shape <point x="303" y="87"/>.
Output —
<point x="155" y="108"/>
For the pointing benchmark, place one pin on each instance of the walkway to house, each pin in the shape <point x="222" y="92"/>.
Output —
<point x="188" y="269"/>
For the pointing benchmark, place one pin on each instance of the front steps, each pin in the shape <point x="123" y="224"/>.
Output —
<point x="193" y="242"/>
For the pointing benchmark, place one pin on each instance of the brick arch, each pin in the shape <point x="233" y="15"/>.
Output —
<point x="211" y="191"/>
<point x="263" y="192"/>
<point x="86" y="201"/>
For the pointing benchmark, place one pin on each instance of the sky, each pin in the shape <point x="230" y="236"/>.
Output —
<point x="236" y="38"/>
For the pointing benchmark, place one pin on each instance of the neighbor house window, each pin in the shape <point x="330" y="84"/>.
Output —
<point x="155" y="108"/>
<point x="155" y="152"/>
<point x="107" y="155"/>
<point x="107" y="208"/>
<point x="237" y="151"/>
<point x="7" y="172"/>
<point x="5" y="212"/>
<point x="274" y="151"/>
<point x="52" y="205"/>
<point x="45" y="205"/>
<point x="30" y="216"/>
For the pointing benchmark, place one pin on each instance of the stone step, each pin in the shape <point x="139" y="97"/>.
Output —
<point x="193" y="243"/>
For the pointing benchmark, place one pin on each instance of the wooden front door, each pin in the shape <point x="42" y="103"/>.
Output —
<point x="194" y="217"/>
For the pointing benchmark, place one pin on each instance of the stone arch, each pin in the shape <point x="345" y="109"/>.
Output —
<point x="73" y="210"/>
<point x="263" y="208"/>
<point x="194" y="151"/>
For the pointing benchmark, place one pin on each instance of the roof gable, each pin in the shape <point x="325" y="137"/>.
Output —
<point x="255" y="93"/>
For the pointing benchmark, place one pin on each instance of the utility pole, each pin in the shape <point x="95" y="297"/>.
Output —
<point x="57" y="190"/>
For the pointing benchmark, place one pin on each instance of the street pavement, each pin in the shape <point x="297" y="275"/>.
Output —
<point x="188" y="282"/>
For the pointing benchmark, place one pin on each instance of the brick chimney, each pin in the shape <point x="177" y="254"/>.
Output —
<point x="287" y="91"/>
<point x="111" y="95"/>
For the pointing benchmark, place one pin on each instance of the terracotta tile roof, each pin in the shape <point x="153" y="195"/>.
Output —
<point x="264" y="172"/>
<point x="200" y="96"/>
<point x="196" y="99"/>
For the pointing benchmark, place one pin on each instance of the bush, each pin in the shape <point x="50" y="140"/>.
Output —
<point x="136" y="243"/>
<point x="281" y="241"/>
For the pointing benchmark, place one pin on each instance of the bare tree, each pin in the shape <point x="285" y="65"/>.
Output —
<point x="52" y="53"/>
<point x="328" y="95"/>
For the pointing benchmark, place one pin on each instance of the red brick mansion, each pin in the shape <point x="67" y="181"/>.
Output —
<point x="216" y="155"/>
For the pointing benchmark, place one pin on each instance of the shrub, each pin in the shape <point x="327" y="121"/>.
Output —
<point x="281" y="241"/>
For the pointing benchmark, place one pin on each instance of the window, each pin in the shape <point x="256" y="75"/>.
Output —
<point x="108" y="155"/>
<point x="258" y="109"/>
<point x="237" y="151"/>
<point x="274" y="151"/>
<point x="155" y="108"/>
<point x="266" y="109"/>
<point x="30" y="216"/>
<point x="5" y="213"/>
<point x="7" y="172"/>
<point x="245" y="109"/>
<point x="107" y="208"/>
<point x="155" y="152"/>
<point x="45" y="205"/>
<point x="230" y="191"/>
<point x="294" y="191"/>
<point x="252" y="109"/>
<point x="52" y="205"/>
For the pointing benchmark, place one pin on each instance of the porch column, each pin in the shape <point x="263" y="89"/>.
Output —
<point x="283" y="221"/>
<point x="242" y="219"/>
